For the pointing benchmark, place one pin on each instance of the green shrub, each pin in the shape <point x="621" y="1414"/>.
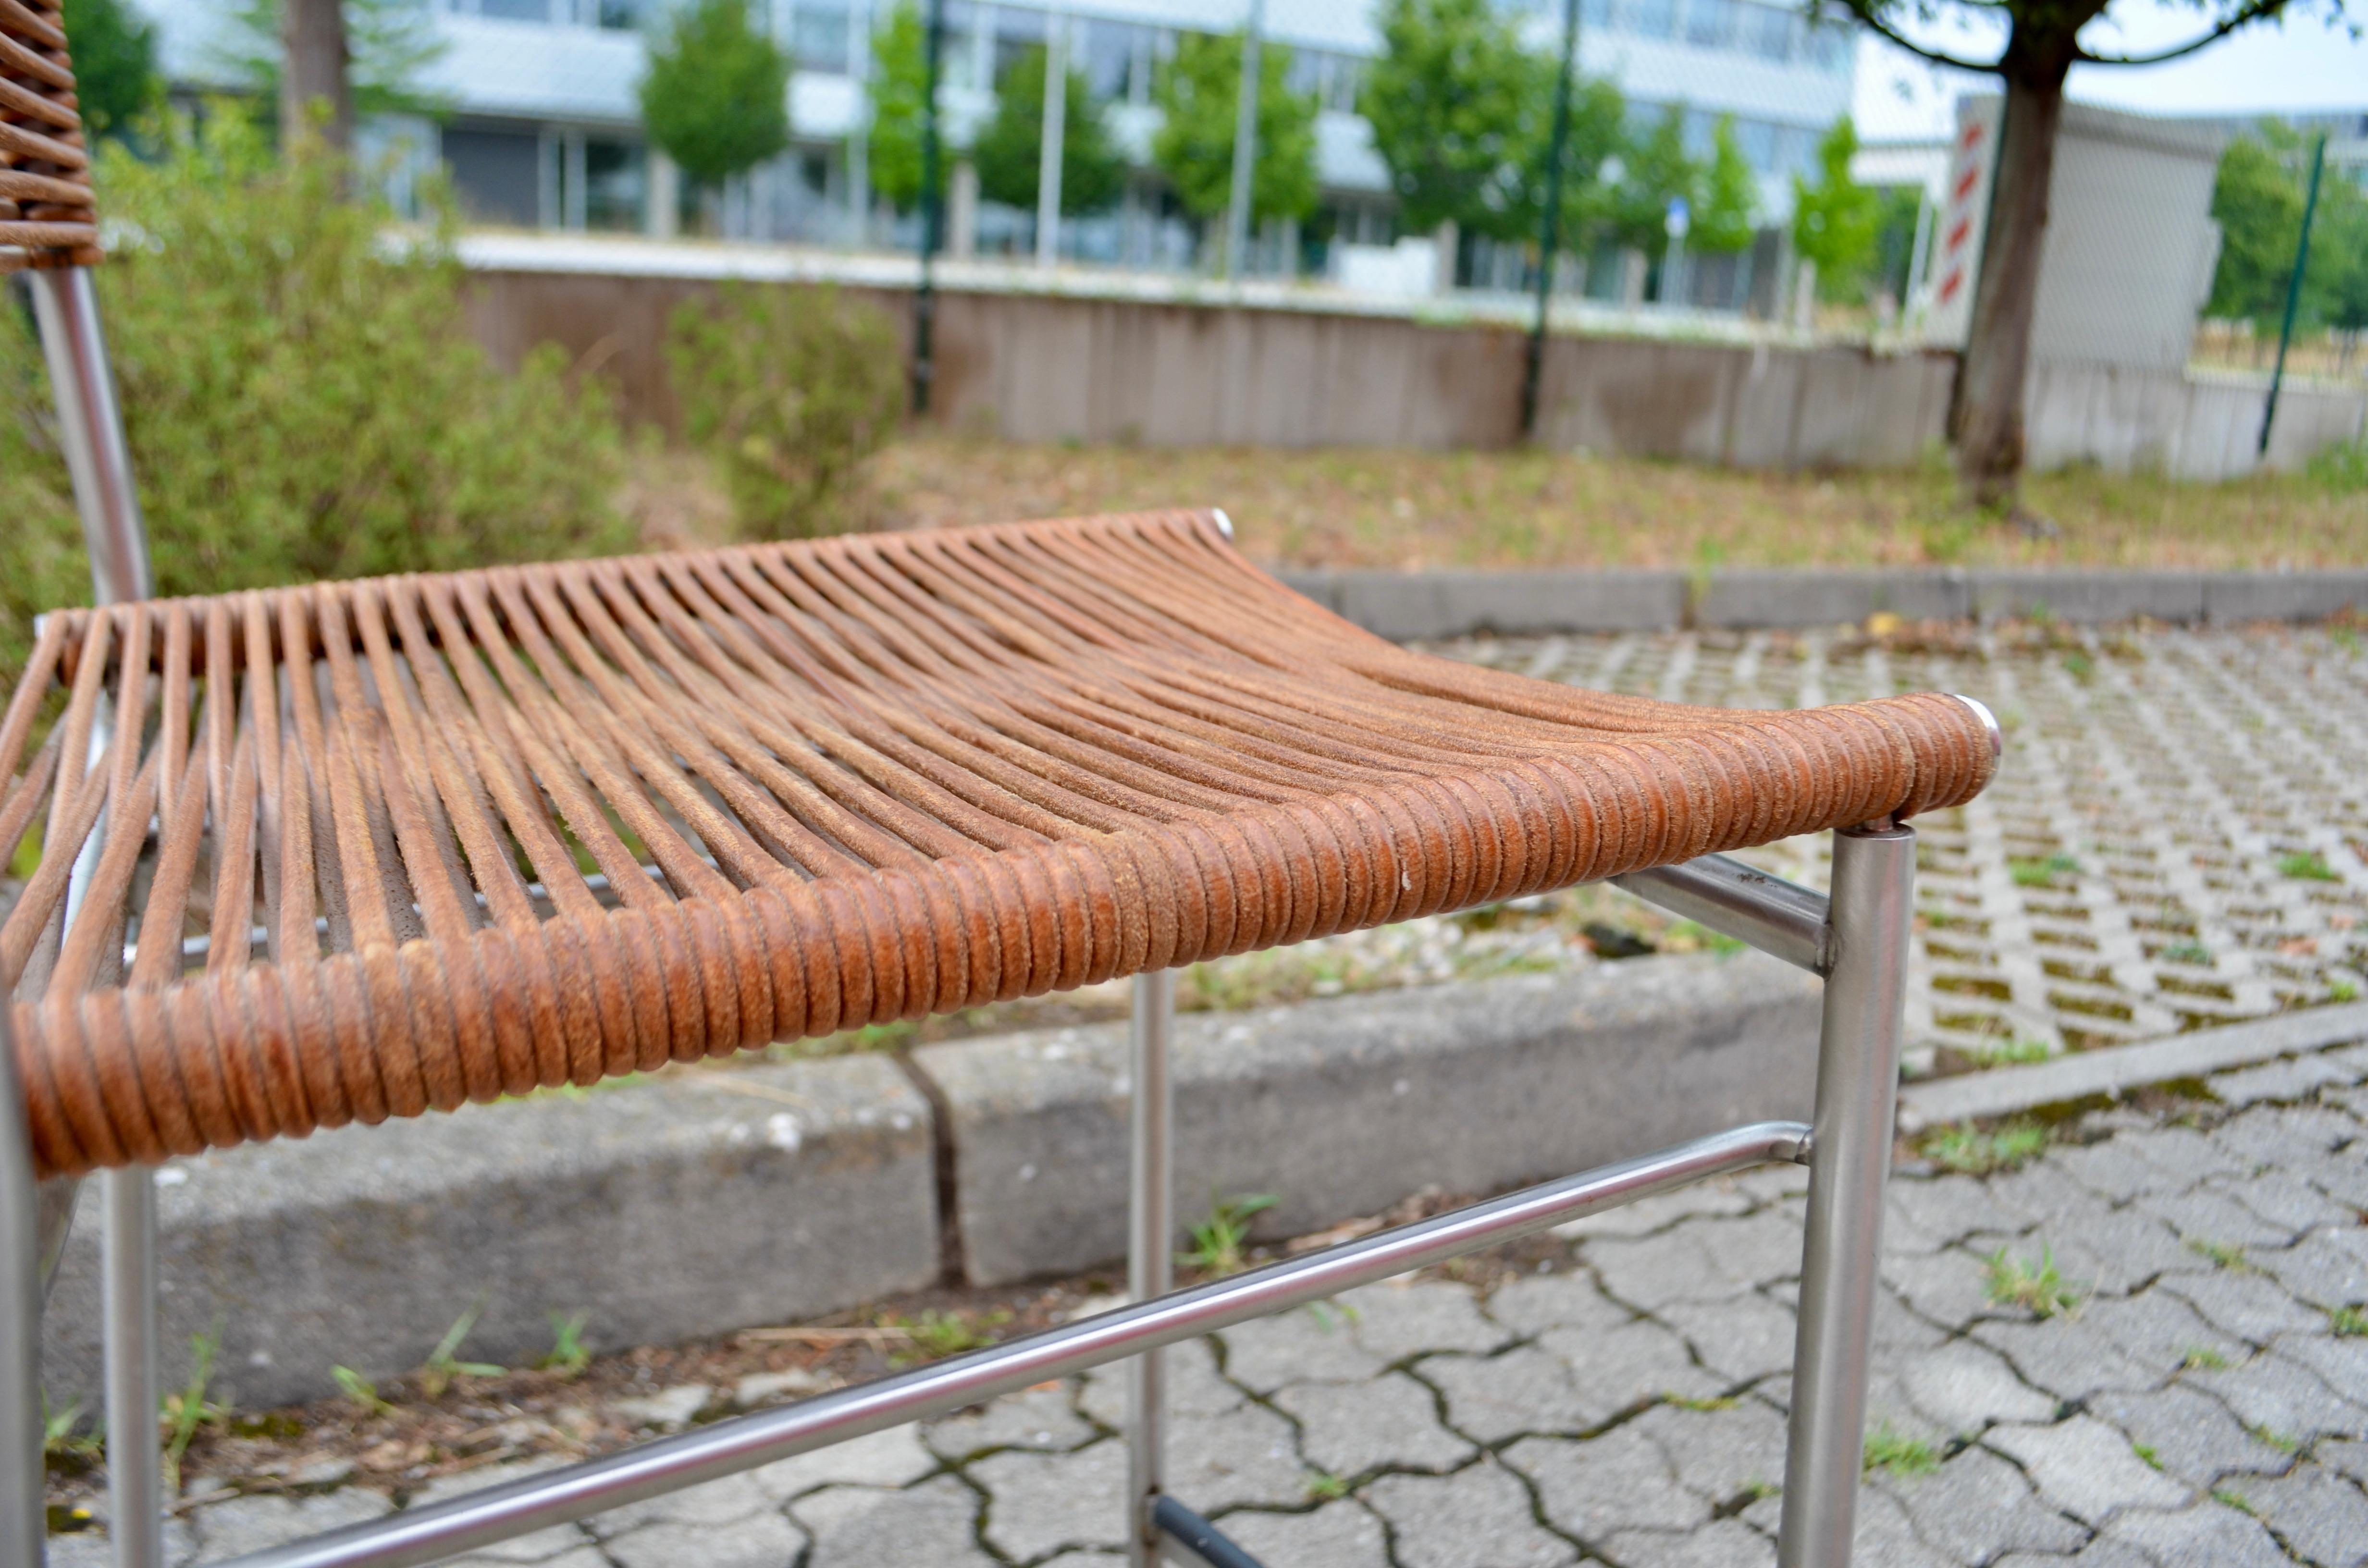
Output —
<point x="792" y="390"/>
<point x="2342" y="469"/>
<point x="300" y="395"/>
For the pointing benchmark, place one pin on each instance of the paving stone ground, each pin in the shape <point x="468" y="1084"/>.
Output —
<point x="2204" y="1401"/>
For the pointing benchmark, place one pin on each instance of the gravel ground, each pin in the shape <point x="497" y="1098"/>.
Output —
<point x="2144" y="1347"/>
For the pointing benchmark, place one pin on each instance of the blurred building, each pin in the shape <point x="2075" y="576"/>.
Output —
<point x="539" y="128"/>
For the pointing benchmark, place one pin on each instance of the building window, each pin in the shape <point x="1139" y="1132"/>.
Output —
<point x="818" y="37"/>
<point x="1768" y="32"/>
<point x="1116" y="53"/>
<point x="615" y="189"/>
<point x="1756" y="139"/>
<point x="1649" y="19"/>
<point x="1711" y="23"/>
<point x="496" y="175"/>
<point x="618" y="16"/>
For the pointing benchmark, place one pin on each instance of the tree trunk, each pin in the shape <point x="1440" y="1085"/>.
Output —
<point x="313" y="34"/>
<point x="1997" y="351"/>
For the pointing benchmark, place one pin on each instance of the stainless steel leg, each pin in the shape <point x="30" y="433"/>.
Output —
<point x="23" y="1521"/>
<point x="1850" y="1158"/>
<point x="91" y="428"/>
<point x="1150" y="1269"/>
<point x="134" y="1457"/>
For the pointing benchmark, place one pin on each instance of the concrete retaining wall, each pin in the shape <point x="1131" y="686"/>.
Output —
<point x="709" y="1201"/>
<point x="1159" y="366"/>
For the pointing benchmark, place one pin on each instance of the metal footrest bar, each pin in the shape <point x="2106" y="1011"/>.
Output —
<point x="1196" y="1535"/>
<point x="419" y="1536"/>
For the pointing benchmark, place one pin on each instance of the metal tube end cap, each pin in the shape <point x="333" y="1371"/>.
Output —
<point x="1224" y="523"/>
<point x="1989" y="722"/>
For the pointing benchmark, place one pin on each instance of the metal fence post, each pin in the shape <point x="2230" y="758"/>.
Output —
<point x="1849" y="1160"/>
<point x="1150" y="1264"/>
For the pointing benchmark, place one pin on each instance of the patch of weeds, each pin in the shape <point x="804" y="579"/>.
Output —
<point x="937" y="1334"/>
<point x="2146" y="1455"/>
<point x="1332" y="1316"/>
<point x="360" y="1389"/>
<point x="1682" y="1402"/>
<point x="61" y="1447"/>
<point x="2040" y="871"/>
<point x="2039" y="1288"/>
<point x="2342" y="991"/>
<point x="1323" y="1487"/>
<point x="436" y="1373"/>
<point x="2349" y="1323"/>
<point x="2308" y="866"/>
<point x="2203" y="1358"/>
<point x="1899" y="1455"/>
<point x="1218" y="1241"/>
<point x="2189" y="951"/>
<point x="1686" y="936"/>
<point x="1970" y="1152"/>
<point x="2013" y="1051"/>
<point x="2278" y="1440"/>
<point x="2224" y="1255"/>
<point x="189" y="1409"/>
<point x="2229" y="1498"/>
<point x="568" y="1355"/>
<point x="2079" y="667"/>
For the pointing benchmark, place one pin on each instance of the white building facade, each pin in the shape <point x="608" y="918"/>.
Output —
<point x="539" y="128"/>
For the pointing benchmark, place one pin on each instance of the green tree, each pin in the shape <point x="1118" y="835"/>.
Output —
<point x="1200" y="91"/>
<point x="1897" y="206"/>
<point x="1656" y="172"/>
<point x="900" y="90"/>
<point x="1834" y="220"/>
<point x="393" y="42"/>
<point x="301" y="400"/>
<point x="1729" y="218"/>
<point x="1009" y="151"/>
<point x="716" y="99"/>
<point x="1598" y="122"/>
<point x="1460" y="110"/>
<point x="114" y="65"/>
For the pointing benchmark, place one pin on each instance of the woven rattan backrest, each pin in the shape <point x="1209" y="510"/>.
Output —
<point x="536" y="826"/>
<point x="46" y="216"/>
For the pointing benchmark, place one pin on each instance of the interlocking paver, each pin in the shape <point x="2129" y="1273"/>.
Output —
<point x="249" y="1524"/>
<point x="1723" y="1543"/>
<point x="1701" y="1260"/>
<point x="2342" y="1363"/>
<point x="1402" y="1317"/>
<point x="1037" y="1502"/>
<point x="2328" y="1267"/>
<point x="758" y="1540"/>
<point x="2193" y="1437"/>
<point x="1040" y="1418"/>
<point x="2087" y="1468"/>
<point x="1538" y="1303"/>
<point x="863" y="1527"/>
<point x="1980" y="1506"/>
<point x="2320" y="1516"/>
<point x="2248" y="1305"/>
<point x="1495" y="1397"/>
<point x="1478" y="1518"/>
<point x="1339" y="1534"/>
<point x="2209" y="1535"/>
<point x="1194" y="1386"/>
<point x="1312" y="1344"/>
<point x="2273" y="1393"/>
<point x="1962" y="1388"/>
<point x="1242" y="1456"/>
<point x="1620" y="1481"/>
<point x="1742" y="1340"/>
<point x="1347" y="1429"/>
<point x="1723" y="1455"/>
<point x="893" y="1457"/>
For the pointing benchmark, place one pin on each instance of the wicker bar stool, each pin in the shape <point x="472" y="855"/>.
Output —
<point x="339" y="853"/>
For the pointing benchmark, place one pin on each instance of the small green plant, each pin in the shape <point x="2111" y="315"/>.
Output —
<point x="2308" y="866"/>
<point x="935" y="1333"/>
<point x="568" y="1355"/>
<point x="2079" y="666"/>
<point x="2278" y="1440"/>
<point x="1217" y="1242"/>
<point x="2203" y="1358"/>
<point x="1757" y="1487"/>
<point x="2224" y="1255"/>
<point x="360" y="1391"/>
<point x="2146" y="1455"/>
<point x="791" y="390"/>
<point x="2015" y="1051"/>
<point x="437" y="1374"/>
<point x="1683" y="1403"/>
<point x="184" y="1411"/>
<point x="1323" y="1487"/>
<point x="2342" y="991"/>
<point x="2229" y="1498"/>
<point x="2349" y="1323"/>
<point x="2039" y="871"/>
<point x="2188" y="951"/>
<point x="2038" y="1288"/>
<point x="1963" y="1149"/>
<point x="60" y="1442"/>
<point x="1896" y="1454"/>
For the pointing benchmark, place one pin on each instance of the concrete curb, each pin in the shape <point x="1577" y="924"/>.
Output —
<point x="1345" y="1108"/>
<point x="1437" y="603"/>
<point x="2002" y="1091"/>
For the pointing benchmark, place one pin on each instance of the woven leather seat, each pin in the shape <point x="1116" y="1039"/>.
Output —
<point x="538" y="825"/>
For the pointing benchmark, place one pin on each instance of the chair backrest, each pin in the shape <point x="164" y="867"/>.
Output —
<point x="47" y="218"/>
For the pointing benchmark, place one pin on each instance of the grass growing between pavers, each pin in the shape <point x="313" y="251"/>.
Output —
<point x="2036" y="1286"/>
<point x="1367" y="507"/>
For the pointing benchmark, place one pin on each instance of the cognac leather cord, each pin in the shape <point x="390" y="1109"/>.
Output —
<point x="538" y="825"/>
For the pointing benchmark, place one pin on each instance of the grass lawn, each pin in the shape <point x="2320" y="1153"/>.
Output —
<point x="1355" y="507"/>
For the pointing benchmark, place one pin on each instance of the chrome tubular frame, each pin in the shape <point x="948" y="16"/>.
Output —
<point x="1858" y="943"/>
